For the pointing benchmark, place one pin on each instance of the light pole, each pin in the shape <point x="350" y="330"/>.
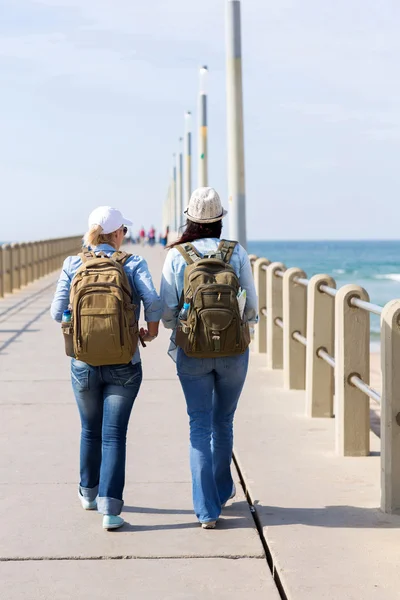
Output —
<point x="174" y="215"/>
<point x="202" y="150"/>
<point x="188" y="158"/>
<point x="234" y="95"/>
<point x="179" y="189"/>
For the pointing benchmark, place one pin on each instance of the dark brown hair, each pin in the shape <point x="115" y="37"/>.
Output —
<point x="195" y="231"/>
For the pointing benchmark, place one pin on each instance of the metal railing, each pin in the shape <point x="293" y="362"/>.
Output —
<point x="307" y="326"/>
<point x="22" y="263"/>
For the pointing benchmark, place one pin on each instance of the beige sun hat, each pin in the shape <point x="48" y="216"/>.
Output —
<point x="205" y="206"/>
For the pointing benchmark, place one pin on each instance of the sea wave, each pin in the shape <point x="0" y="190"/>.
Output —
<point x="390" y="276"/>
<point x="339" y="271"/>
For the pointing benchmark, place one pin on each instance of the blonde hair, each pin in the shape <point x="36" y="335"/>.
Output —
<point x="95" y="237"/>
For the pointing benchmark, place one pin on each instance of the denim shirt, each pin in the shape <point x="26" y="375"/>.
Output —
<point x="138" y="275"/>
<point x="173" y="279"/>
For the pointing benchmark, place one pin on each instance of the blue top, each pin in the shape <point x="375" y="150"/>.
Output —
<point x="138" y="275"/>
<point x="173" y="279"/>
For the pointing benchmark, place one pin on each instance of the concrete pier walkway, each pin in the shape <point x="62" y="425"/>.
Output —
<point x="324" y="536"/>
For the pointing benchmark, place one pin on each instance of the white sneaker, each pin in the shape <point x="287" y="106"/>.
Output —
<point x="87" y="504"/>
<point x="231" y="496"/>
<point x="209" y="525"/>
<point x="112" y="522"/>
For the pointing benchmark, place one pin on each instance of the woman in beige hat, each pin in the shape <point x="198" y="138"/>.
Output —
<point x="212" y="386"/>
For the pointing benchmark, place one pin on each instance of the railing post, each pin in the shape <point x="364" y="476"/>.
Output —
<point x="252" y="259"/>
<point x="36" y="261"/>
<point x="294" y="320"/>
<point x="260" y="280"/>
<point x="15" y="266"/>
<point x="352" y="339"/>
<point x="22" y="264"/>
<point x="390" y="408"/>
<point x="320" y="335"/>
<point x="7" y="269"/>
<point x="46" y="245"/>
<point x="41" y="259"/>
<point x="29" y="262"/>
<point x="274" y="311"/>
<point x="1" y="272"/>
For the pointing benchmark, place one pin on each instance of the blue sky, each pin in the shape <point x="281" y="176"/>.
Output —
<point x="94" y="93"/>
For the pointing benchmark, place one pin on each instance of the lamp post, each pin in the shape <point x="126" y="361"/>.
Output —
<point x="188" y="159"/>
<point x="202" y="149"/>
<point x="236" y="169"/>
<point x="179" y="189"/>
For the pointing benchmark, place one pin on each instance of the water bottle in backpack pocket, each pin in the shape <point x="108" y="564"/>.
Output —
<point x="67" y="329"/>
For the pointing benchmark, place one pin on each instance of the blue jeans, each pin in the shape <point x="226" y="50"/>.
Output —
<point x="105" y="397"/>
<point x="212" y="387"/>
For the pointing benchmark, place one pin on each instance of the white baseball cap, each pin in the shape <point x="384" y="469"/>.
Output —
<point x="205" y="206"/>
<point x="110" y="219"/>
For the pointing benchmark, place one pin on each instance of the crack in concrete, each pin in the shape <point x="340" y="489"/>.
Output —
<point x="133" y="557"/>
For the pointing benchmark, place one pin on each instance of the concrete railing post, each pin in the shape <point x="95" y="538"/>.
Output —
<point x="36" y="261"/>
<point x="40" y="259"/>
<point x="390" y="408"/>
<point x="294" y="320"/>
<point x="274" y="311"/>
<point x="15" y="266"/>
<point x="7" y="269"/>
<point x="320" y="335"/>
<point x="46" y="245"/>
<point x="29" y="262"/>
<point x="1" y="273"/>
<point x="260" y="280"/>
<point x="23" y="276"/>
<point x="252" y="259"/>
<point x="352" y="339"/>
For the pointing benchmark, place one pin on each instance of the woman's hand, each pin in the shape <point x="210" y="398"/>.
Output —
<point x="146" y="336"/>
<point x="149" y="334"/>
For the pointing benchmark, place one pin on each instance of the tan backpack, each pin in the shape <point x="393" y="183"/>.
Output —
<point x="213" y="327"/>
<point x="104" y="329"/>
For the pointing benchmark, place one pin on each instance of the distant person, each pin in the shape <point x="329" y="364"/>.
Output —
<point x="212" y="335"/>
<point x="98" y="300"/>
<point x="152" y="236"/>
<point x="142" y="236"/>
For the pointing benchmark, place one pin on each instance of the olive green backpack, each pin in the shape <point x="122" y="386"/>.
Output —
<point x="214" y="327"/>
<point x="104" y="329"/>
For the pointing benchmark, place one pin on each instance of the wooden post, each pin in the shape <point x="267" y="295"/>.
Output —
<point x="274" y="311"/>
<point x="390" y="408"/>
<point x="352" y="339"/>
<point x="320" y="335"/>
<point x="294" y="320"/>
<point x="260" y="280"/>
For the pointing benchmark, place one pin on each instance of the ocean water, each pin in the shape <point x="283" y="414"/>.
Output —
<point x="375" y="265"/>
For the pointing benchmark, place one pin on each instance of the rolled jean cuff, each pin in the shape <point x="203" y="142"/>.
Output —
<point x="89" y="494"/>
<point x="109" y="506"/>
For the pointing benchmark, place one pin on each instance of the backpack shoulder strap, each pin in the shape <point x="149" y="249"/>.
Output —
<point x="86" y="255"/>
<point x="189" y="253"/>
<point x="120" y="257"/>
<point x="226" y="248"/>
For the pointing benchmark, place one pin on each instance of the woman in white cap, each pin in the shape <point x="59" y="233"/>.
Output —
<point x="212" y="386"/>
<point x="105" y="394"/>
